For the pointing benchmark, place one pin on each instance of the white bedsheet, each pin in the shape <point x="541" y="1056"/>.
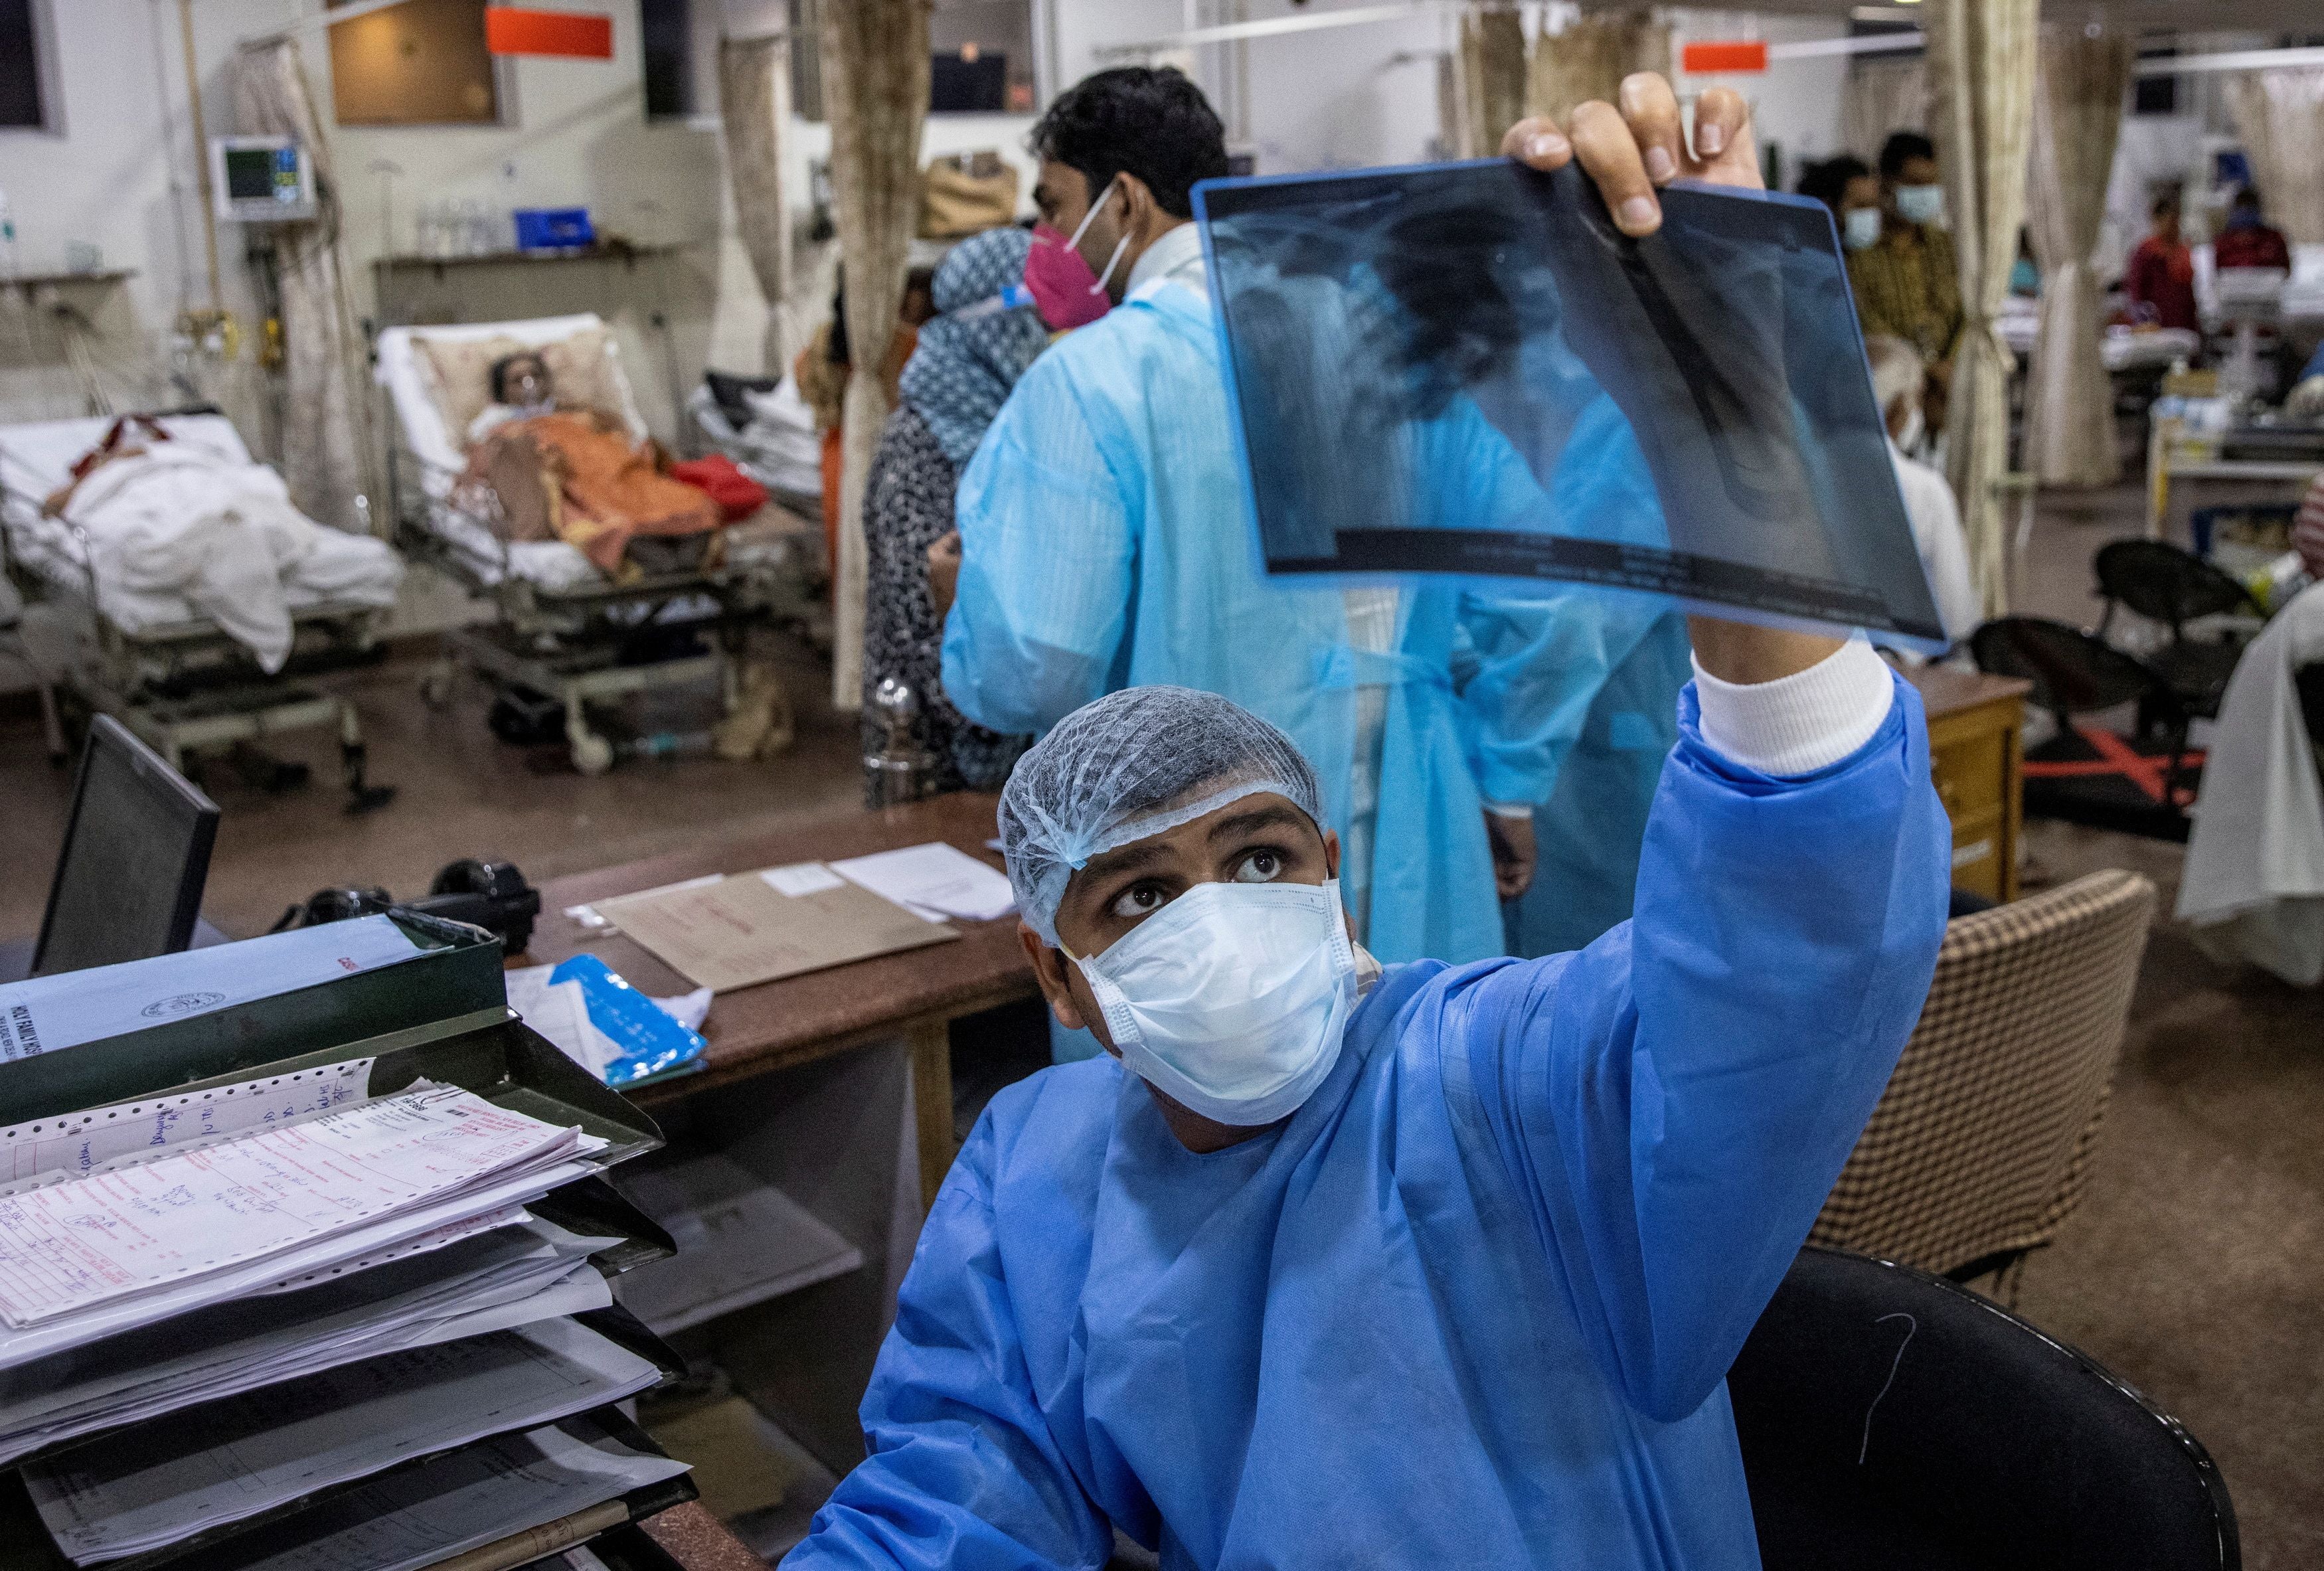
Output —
<point x="778" y="448"/>
<point x="192" y="530"/>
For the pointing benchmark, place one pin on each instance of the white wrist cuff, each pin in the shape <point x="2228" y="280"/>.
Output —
<point x="1510" y="809"/>
<point x="1798" y="723"/>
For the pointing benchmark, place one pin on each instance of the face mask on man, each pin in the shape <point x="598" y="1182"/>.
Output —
<point x="1859" y="228"/>
<point x="2243" y="217"/>
<point x="1067" y="293"/>
<point x="1921" y="204"/>
<point x="1233" y="999"/>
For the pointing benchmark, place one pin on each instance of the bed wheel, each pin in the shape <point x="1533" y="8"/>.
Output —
<point x="591" y="754"/>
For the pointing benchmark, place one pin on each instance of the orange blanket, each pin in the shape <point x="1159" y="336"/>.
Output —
<point x="573" y="477"/>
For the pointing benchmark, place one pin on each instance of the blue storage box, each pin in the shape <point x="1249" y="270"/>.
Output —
<point x="553" y="228"/>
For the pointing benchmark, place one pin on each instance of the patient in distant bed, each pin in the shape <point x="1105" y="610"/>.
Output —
<point x="575" y="474"/>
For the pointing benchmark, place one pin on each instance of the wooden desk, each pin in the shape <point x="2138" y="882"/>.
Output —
<point x="778" y="1025"/>
<point x="1976" y="752"/>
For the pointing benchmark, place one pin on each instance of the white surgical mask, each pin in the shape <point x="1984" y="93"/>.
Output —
<point x="1859" y="228"/>
<point x="1921" y="204"/>
<point x="1232" y="1000"/>
<point x="1908" y="441"/>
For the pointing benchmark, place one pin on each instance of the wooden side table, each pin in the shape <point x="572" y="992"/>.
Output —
<point x="1976" y="752"/>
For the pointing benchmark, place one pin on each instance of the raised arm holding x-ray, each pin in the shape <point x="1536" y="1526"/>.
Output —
<point x="1312" y="1221"/>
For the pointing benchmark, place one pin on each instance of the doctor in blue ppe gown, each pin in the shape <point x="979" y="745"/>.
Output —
<point x="1105" y="543"/>
<point x="1471" y="1299"/>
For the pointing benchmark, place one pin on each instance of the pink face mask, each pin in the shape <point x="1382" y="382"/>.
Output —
<point x="1064" y="288"/>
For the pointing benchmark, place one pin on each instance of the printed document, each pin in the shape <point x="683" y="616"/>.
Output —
<point x="50" y="1012"/>
<point x="935" y="881"/>
<point x="71" y="1247"/>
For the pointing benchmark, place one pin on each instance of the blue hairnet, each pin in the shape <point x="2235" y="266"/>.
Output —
<point x="1134" y="763"/>
<point x="961" y="371"/>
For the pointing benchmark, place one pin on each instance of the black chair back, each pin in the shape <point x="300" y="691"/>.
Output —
<point x="2165" y="583"/>
<point x="1891" y="1418"/>
<point x="2072" y="673"/>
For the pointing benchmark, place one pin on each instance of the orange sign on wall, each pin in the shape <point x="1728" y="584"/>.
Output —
<point x="576" y="35"/>
<point x="1704" y="59"/>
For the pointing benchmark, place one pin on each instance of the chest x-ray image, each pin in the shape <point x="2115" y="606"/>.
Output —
<point x="1467" y="369"/>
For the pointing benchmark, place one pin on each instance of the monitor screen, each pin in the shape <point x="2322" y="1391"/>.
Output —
<point x="1467" y="369"/>
<point x="262" y="174"/>
<point x="136" y="854"/>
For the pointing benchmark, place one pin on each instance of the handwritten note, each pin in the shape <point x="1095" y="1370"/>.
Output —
<point x="66" y="1247"/>
<point x="48" y="1150"/>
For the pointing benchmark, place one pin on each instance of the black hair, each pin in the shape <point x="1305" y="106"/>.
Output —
<point x="1136" y="120"/>
<point x="501" y="371"/>
<point x="1900" y="149"/>
<point x="2164" y="200"/>
<point x="2246" y="196"/>
<point x="1827" y="181"/>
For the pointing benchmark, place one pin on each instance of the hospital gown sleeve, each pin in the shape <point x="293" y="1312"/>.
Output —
<point x="1673" y="1103"/>
<point x="1047" y="544"/>
<point x="963" y="1471"/>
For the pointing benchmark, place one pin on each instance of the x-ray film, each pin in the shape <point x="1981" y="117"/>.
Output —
<point x="1467" y="369"/>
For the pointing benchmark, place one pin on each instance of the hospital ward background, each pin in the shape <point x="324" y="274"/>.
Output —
<point x="533" y="541"/>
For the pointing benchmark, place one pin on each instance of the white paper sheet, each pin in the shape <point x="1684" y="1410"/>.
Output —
<point x="935" y="878"/>
<point x="50" y="1012"/>
<point x="477" y="1495"/>
<point x="71" y="1247"/>
<point x="800" y="878"/>
<point x="560" y="1011"/>
<point x="45" y="1150"/>
<point x="155" y="1485"/>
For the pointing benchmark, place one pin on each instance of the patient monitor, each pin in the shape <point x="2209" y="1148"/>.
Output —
<point x="262" y="179"/>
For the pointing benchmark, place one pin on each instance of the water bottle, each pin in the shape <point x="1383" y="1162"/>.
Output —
<point x="7" y="238"/>
<point x="665" y="746"/>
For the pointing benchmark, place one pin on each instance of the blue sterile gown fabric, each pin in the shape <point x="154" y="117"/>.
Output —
<point x="1589" y="834"/>
<point x="1474" y="1303"/>
<point x="1106" y="544"/>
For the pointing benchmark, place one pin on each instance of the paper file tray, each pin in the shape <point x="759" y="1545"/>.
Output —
<point x="220" y="1547"/>
<point x="441" y="1016"/>
<point x="594" y="1209"/>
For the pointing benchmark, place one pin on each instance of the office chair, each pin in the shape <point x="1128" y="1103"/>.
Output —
<point x="1981" y="1144"/>
<point x="1890" y="1419"/>
<point x="2139" y="783"/>
<point x="2164" y="583"/>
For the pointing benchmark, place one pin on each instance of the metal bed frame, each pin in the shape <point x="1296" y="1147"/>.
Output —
<point x="593" y="644"/>
<point x="188" y="686"/>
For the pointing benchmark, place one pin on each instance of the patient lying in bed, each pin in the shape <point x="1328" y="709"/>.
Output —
<point x="161" y="523"/>
<point x="576" y="475"/>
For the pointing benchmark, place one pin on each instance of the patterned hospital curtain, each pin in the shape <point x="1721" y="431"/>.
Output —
<point x="1492" y="76"/>
<point x="326" y="453"/>
<point x="754" y="92"/>
<point x="875" y="92"/>
<point x="1591" y="56"/>
<point x="1981" y="57"/>
<point x="2078" y="94"/>
<point x="2280" y="114"/>
<point x="1883" y="95"/>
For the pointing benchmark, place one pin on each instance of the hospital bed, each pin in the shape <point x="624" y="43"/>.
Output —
<point x="563" y="630"/>
<point x="150" y="659"/>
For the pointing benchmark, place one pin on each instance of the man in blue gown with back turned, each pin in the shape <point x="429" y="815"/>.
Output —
<point x="1328" y="1264"/>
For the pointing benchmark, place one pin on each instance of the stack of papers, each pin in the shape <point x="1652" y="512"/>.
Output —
<point x="246" y="1454"/>
<point x="144" y="1238"/>
<point x="503" y="1278"/>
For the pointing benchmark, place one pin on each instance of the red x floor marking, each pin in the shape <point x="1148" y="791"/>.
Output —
<point x="2115" y="756"/>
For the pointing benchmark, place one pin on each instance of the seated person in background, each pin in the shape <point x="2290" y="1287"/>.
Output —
<point x="1332" y="1264"/>
<point x="1896" y="381"/>
<point x="2248" y="241"/>
<point x="576" y="475"/>
<point x="1906" y="283"/>
<point x="1846" y="185"/>
<point x="2159" y="277"/>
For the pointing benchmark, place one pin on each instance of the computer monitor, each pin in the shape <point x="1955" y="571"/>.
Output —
<point x="136" y="854"/>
